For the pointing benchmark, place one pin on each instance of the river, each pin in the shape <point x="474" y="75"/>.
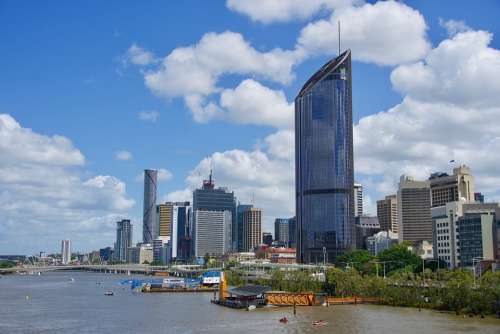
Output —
<point x="53" y="303"/>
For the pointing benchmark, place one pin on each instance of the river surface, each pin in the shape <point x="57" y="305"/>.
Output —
<point x="53" y="303"/>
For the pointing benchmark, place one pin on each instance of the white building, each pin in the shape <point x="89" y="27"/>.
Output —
<point x="358" y="199"/>
<point x="212" y="232"/>
<point x="142" y="253"/>
<point x="381" y="241"/>
<point x="66" y="251"/>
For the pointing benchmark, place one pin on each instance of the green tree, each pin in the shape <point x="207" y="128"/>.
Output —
<point x="399" y="257"/>
<point x="358" y="258"/>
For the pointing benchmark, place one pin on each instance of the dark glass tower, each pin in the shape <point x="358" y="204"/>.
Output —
<point x="324" y="172"/>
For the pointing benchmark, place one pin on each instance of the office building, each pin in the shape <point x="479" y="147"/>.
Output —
<point x="212" y="233"/>
<point x="381" y="241"/>
<point x="252" y="228"/>
<point x="65" y="251"/>
<point x="267" y="238"/>
<point x="165" y="216"/>
<point x="158" y="243"/>
<point x="387" y="213"/>
<point x="123" y="240"/>
<point x="414" y="210"/>
<point x="239" y="225"/>
<point x="463" y="231"/>
<point x="477" y="233"/>
<point x="324" y="171"/>
<point x="478" y="198"/>
<point x="149" y="228"/>
<point x="141" y="254"/>
<point x="451" y="188"/>
<point x="365" y="226"/>
<point x="285" y="231"/>
<point x="358" y="199"/>
<point x="180" y="226"/>
<point x="210" y="199"/>
<point x="106" y="254"/>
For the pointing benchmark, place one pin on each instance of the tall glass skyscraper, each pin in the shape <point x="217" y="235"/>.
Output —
<point x="149" y="230"/>
<point x="324" y="163"/>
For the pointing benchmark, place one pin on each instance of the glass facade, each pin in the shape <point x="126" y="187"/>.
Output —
<point x="324" y="163"/>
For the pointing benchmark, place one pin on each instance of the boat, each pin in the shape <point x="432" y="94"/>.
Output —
<point x="284" y="320"/>
<point x="251" y="307"/>
<point x="109" y="293"/>
<point x="319" y="323"/>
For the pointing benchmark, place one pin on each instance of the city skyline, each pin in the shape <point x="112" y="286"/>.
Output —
<point x="106" y="105"/>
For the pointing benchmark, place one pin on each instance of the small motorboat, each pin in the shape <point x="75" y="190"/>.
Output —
<point x="109" y="293"/>
<point x="284" y="320"/>
<point x="251" y="307"/>
<point x="319" y="323"/>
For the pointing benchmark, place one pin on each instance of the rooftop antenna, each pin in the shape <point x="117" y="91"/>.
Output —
<point x="253" y="198"/>
<point x="339" y="36"/>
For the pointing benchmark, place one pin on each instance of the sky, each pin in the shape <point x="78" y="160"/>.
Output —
<point x="93" y="93"/>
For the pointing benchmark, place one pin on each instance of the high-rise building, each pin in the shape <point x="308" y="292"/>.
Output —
<point x="477" y="233"/>
<point x="366" y="226"/>
<point x="140" y="254"/>
<point x="358" y="199"/>
<point x="478" y="197"/>
<point x="106" y="254"/>
<point x="212" y="233"/>
<point x="210" y="199"/>
<point x="284" y="231"/>
<point x="445" y="233"/>
<point x="239" y="225"/>
<point x="165" y="216"/>
<point x="324" y="163"/>
<point x="149" y="229"/>
<point x="414" y="210"/>
<point x="65" y="251"/>
<point x="180" y="226"/>
<point x="267" y="238"/>
<point x="451" y="188"/>
<point x="123" y="239"/>
<point x="252" y="228"/>
<point x="387" y="213"/>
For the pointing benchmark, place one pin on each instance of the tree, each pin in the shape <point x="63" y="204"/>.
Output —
<point x="400" y="257"/>
<point x="359" y="258"/>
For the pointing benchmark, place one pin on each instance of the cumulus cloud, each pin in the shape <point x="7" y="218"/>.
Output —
<point x="139" y="56"/>
<point x="284" y="10"/>
<point x="252" y="103"/>
<point x="462" y="70"/>
<point x="149" y="116"/>
<point x="123" y="155"/>
<point x="43" y="197"/>
<point x="444" y="116"/>
<point x="454" y="27"/>
<point x="384" y="33"/>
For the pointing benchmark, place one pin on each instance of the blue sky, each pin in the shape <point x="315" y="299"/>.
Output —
<point x="69" y="70"/>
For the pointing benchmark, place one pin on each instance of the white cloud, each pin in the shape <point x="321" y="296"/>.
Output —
<point x="123" y="155"/>
<point x="252" y="103"/>
<point x="149" y="116"/>
<point x="281" y="144"/>
<point x="138" y="56"/>
<point x="445" y="115"/>
<point x="454" y="27"/>
<point x="462" y="70"/>
<point x="266" y="11"/>
<point x="384" y="33"/>
<point x="43" y="198"/>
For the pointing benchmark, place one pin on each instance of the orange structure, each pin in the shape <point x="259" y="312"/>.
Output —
<point x="291" y="298"/>
<point x="222" y="287"/>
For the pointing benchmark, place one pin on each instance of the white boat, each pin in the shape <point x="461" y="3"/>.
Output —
<point x="251" y="307"/>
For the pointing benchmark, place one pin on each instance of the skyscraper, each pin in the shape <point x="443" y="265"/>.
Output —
<point x="387" y="213"/>
<point x="239" y="225"/>
<point x="324" y="163"/>
<point x="252" y="228"/>
<point x="165" y="213"/>
<point x="451" y="188"/>
<point x="207" y="202"/>
<point x="414" y="210"/>
<point x="358" y="200"/>
<point x="123" y="239"/>
<point x="65" y="251"/>
<point x="149" y="231"/>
